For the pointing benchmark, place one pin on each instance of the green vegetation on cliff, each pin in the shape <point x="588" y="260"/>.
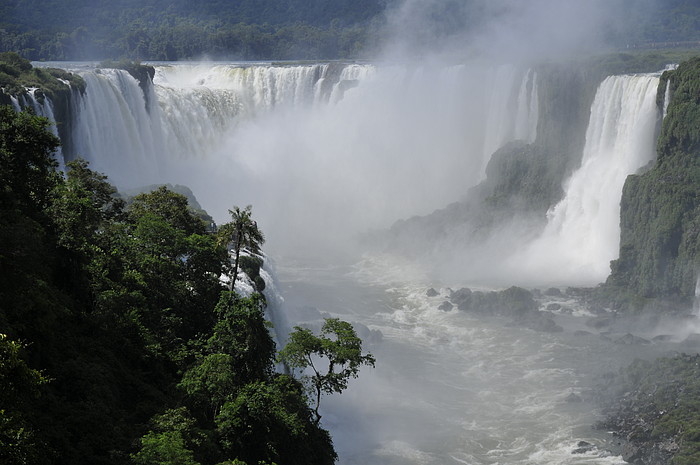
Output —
<point x="660" y="209"/>
<point x="658" y="411"/>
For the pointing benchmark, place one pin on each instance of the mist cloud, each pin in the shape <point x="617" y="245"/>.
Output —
<point x="504" y="30"/>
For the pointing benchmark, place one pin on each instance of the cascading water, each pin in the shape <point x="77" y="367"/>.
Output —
<point x="385" y="142"/>
<point x="582" y="232"/>
<point x="42" y="107"/>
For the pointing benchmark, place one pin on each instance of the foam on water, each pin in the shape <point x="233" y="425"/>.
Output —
<point x="450" y="387"/>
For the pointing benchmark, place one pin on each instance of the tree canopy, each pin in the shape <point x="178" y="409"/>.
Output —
<point x="338" y="346"/>
<point x="119" y="343"/>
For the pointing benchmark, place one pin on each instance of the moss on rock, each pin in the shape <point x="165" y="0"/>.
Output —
<point x="660" y="209"/>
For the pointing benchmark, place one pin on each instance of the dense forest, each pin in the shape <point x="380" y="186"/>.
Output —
<point x="167" y="30"/>
<point x="121" y="343"/>
<point x="277" y="29"/>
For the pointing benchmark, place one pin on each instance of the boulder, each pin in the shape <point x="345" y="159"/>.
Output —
<point x="553" y="292"/>
<point x="631" y="339"/>
<point x="445" y="306"/>
<point x="584" y="447"/>
<point x="461" y="298"/>
<point x="431" y="292"/>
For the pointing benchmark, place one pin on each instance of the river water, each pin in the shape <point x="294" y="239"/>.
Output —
<point x="451" y="387"/>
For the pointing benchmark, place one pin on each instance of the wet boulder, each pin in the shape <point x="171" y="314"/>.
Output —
<point x="445" y="306"/>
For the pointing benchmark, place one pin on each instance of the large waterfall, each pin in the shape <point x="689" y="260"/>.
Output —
<point x="582" y="234"/>
<point x="364" y="144"/>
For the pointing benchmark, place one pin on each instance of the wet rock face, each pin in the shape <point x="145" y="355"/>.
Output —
<point x="654" y="411"/>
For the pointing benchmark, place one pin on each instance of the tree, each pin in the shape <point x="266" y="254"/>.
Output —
<point x="270" y="422"/>
<point x="27" y="166"/>
<point x="18" y="383"/>
<point x="338" y="344"/>
<point x="242" y="232"/>
<point x="170" y="440"/>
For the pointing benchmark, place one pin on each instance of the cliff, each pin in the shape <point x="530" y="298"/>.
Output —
<point x="660" y="214"/>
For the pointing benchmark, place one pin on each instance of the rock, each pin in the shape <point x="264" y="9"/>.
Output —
<point x="553" y="292"/>
<point x="662" y="338"/>
<point x="599" y="322"/>
<point x="367" y="335"/>
<point x="553" y="307"/>
<point x="584" y="447"/>
<point x="461" y="298"/>
<point x="631" y="339"/>
<point x="631" y="453"/>
<point x="431" y="292"/>
<point x="693" y="340"/>
<point x="445" y="306"/>
<point x="543" y="324"/>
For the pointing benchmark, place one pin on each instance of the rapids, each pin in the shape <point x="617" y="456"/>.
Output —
<point x="450" y="387"/>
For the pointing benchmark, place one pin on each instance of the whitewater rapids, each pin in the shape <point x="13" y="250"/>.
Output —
<point x="450" y="387"/>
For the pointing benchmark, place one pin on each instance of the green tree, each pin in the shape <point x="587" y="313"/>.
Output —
<point x="270" y="421"/>
<point x="338" y="345"/>
<point x="170" y="440"/>
<point x="18" y="384"/>
<point x="242" y="233"/>
<point x="171" y="207"/>
<point x="27" y="167"/>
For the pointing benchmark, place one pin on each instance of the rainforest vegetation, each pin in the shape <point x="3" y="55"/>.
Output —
<point x="120" y="342"/>
<point x="274" y="29"/>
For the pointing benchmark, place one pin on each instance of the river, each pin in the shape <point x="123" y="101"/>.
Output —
<point x="450" y="387"/>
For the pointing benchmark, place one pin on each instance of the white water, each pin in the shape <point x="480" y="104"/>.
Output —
<point x="582" y="232"/>
<point x="450" y="387"/>
<point x="364" y="144"/>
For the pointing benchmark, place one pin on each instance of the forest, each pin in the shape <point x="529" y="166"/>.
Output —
<point x="160" y="30"/>
<point x="122" y="343"/>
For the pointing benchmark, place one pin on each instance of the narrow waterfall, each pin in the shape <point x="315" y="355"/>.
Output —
<point x="667" y="97"/>
<point x="582" y="233"/>
<point x="527" y="109"/>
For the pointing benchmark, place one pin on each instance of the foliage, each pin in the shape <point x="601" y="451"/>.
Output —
<point x="19" y="384"/>
<point x="658" y="404"/>
<point x="242" y="233"/>
<point x="660" y="241"/>
<point x="339" y="345"/>
<point x="122" y="308"/>
<point x="166" y="30"/>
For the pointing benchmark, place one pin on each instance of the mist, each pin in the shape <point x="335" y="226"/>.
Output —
<point x="501" y="30"/>
<point x="368" y="181"/>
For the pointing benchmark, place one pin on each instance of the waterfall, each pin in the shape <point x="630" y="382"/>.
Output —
<point x="582" y="232"/>
<point x="113" y="128"/>
<point x="528" y="109"/>
<point x="135" y="135"/>
<point x="41" y="107"/>
<point x="414" y="137"/>
<point x="667" y="98"/>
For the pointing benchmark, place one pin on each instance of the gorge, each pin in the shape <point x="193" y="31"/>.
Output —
<point x="484" y="175"/>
